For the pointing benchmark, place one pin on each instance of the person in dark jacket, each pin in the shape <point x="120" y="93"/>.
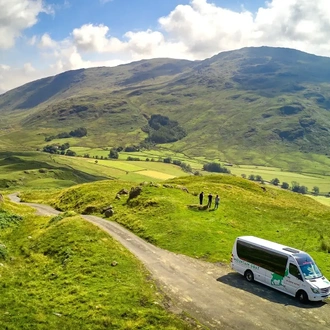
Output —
<point x="209" y="200"/>
<point x="201" y="196"/>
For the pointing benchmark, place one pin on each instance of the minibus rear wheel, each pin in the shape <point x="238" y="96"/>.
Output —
<point x="249" y="276"/>
<point x="302" y="296"/>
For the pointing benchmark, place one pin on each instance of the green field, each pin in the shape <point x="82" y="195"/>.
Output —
<point x="269" y="173"/>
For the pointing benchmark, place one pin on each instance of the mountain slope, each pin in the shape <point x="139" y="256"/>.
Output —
<point x="248" y="105"/>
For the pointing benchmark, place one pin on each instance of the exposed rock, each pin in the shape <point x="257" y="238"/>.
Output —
<point x="109" y="213"/>
<point x="145" y="183"/>
<point x="183" y="188"/>
<point x="135" y="192"/>
<point x="123" y="192"/>
<point x="110" y="207"/>
<point x="157" y="185"/>
<point x="197" y="207"/>
<point x="114" y="263"/>
<point x="167" y="186"/>
<point x="117" y="196"/>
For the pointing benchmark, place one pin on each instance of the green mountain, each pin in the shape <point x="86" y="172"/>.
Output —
<point x="254" y="105"/>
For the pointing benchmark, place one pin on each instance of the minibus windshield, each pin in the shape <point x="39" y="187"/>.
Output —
<point x="307" y="266"/>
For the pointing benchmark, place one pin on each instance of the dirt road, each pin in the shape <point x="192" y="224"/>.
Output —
<point x="213" y="294"/>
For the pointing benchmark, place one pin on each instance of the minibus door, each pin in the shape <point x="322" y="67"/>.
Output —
<point x="293" y="279"/>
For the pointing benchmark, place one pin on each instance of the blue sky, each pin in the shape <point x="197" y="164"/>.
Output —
<point x="45" y="37"/>
<point x="120" y="15"/>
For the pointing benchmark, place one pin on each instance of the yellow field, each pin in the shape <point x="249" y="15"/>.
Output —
<point x="156" y="175"/>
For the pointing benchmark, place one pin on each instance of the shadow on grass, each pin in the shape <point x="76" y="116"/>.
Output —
<point x="236" y="280"/>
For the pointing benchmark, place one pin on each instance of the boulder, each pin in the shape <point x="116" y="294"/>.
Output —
<point x="167" y="186"/>
<point x="117" y="196"/>
<point x="123" y="192"/>
<point x="183" y="188"/>
<point x="110" y="207"/>
<point x="135" y="192"/>
<point x="109" y="213"/>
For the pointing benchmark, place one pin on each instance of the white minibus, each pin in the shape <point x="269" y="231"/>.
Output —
<point x="281" y="267"/>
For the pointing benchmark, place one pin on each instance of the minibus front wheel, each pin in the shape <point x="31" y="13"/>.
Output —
<point x="249" y="276"/>
<point x="302" y="296"/>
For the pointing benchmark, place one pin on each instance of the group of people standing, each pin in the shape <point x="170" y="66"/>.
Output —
<point x="209" y="200"/>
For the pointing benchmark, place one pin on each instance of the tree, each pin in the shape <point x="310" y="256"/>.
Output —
<point x="316" y="190"/>
<point x="113" y="153"/>
<point x="275" y="181"/>
<point x="258" y="178"/>
<point x="303" y="190"/>
<point x="285" y="185"/>
<point x="215" y="167"/>
<point x="295" y="186"/>
<point x="299" y="189"/>
<point x="186" y="167"/>
<point x="70" y="153"/>
<point x="79" y="132"/>
<point x="252" y="177"/>
<point x="167" y="160"/>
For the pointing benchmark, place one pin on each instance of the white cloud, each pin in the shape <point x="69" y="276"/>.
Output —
<point x="16" y="16"/>
<point x="47" y="42"/>
<point x="195" y="31"/>
<point x="11" y="77"/>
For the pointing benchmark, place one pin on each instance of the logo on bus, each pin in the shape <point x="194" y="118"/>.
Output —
<point x="245" y="263"/>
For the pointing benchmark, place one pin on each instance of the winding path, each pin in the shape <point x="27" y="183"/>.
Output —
<point x="212" y="293"/>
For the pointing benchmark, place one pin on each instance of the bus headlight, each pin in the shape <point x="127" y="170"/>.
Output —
<point x="315" y="290"/>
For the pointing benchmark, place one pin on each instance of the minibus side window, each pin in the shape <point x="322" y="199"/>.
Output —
<point x="293" y="270"/>
<point x="264" y="258"/>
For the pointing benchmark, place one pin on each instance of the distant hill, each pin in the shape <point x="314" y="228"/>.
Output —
<point x="253" y="105"/>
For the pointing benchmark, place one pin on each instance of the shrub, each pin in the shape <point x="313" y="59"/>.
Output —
<point x="186" y="167"/>
<point x="70" y="153"/>
<point x="258" y="178"/>
<point x="215" y="167"/>
<point x="177" y="162"/>
<point x="275" y="181"/>
<point x="113" y="153"/>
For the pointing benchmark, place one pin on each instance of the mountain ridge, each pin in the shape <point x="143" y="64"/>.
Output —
<point x="237" y="104"/>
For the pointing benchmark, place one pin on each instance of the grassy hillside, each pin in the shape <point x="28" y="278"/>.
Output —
<point x="265" y="106"/>
<point x="162" y="215"/>
<point x="64" y="273"/>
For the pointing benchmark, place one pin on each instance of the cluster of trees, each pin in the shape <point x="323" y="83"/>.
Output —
<point x="79" y="132"/>
<point x="56" y="149"/>
<point x="161" y="129"/>
<point x="295" y="186"/>
<point x="215" y="167"/>
<point x="61" y="150"/>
